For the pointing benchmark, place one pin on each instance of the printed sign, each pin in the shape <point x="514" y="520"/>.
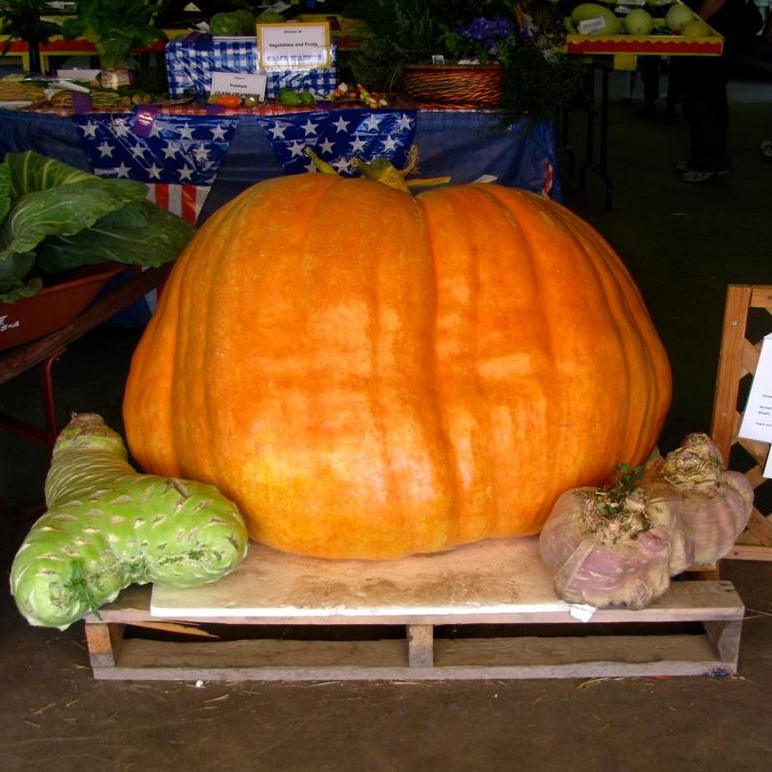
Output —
<point x="240" y="83"/>
<point x="294" y="46"/>
<point x="757" y="419"/>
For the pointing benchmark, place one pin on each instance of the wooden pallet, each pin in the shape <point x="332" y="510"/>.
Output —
<point x="483" y="611"/>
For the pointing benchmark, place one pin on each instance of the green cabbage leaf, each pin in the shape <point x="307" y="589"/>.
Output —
<point x="55" y="217"/>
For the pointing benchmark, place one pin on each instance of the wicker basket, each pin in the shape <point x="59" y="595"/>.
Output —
<point x="467" y="85"/>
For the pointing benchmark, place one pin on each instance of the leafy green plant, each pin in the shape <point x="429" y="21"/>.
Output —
<point x="115" y="27"/>
<point x="535" y="85"/>
<point x="54" y="217"/>
<point x="390" y="34"/>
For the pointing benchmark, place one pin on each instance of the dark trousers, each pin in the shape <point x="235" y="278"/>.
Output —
<point x="701" y="82"/>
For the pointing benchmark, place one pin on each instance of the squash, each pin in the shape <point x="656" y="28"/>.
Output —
<point x="107" y="527"/>
<point x="370" y="374"/>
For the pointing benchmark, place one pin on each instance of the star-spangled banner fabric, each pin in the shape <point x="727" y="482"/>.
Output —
<point x="339" y="136"/>
<point x="169" y="149"/>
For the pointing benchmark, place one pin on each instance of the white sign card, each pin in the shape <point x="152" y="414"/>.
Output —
<point x="240" y="83"/>
<point x="757" y="418"/>
<point x="294" y="46"/>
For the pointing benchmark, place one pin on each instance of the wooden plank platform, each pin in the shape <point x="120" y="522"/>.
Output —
<point x="483" y="611"/>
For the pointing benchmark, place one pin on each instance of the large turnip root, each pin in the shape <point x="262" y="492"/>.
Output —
<point x="620" y="546"/>
<point x="608" y="547"/>
<point x="714" y="504"/>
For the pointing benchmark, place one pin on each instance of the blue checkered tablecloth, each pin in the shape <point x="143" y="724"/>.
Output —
<point x="190" y="62"/>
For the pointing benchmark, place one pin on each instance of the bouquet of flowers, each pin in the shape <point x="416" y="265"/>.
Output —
<point x="481" y="40"/>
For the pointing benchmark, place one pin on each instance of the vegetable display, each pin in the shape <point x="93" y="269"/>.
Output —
<point x="54" y="217"/>
<point x="107" y="527"/>
<point x="597" y="18"/>
<point x="620" y="546"/>
<point x="369" y="374"/>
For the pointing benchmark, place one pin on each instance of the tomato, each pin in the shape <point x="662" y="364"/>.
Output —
<point x="227" y="100"/>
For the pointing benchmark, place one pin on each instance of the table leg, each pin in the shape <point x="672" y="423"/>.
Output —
<point x="45" y="435"/>
<point x="602" y="115"/>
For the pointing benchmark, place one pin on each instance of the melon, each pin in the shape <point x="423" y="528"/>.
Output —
<point x="679" y="16"/>
<point x="639" y="22"/>
<point x="697" y="28"/>
<point x="587" y="11"/>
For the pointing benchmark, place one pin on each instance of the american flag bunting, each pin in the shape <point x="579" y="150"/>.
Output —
<point x="339" y="136"/>
<point x="176" y="156"/>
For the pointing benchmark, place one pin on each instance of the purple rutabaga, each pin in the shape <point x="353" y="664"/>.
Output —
<point x="620" y="546"/>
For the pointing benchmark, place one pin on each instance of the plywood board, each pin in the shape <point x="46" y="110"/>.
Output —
<point x="491" y="581"/>
<point x="488" y="577"/>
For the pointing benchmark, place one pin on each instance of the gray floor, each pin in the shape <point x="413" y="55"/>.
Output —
<point x="684" y="245"/>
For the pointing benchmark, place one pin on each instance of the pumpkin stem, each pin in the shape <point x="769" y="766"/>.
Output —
<point x="321" y="166"/>
<point x="382" y="170"/>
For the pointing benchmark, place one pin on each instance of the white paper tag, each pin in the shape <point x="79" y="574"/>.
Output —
<point x="240" y="83"/>
<point x="78" y="74"/>
<point x="625" y="6"/>
<point x="582" y="611"/>
<point x="593" y="26"/>
<point x="757" y="418"/>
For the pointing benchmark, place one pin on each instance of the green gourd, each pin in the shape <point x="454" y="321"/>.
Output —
<point x="107" y="527"/>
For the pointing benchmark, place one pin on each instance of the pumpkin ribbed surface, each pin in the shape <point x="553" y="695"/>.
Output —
<point x="369" y="375"/>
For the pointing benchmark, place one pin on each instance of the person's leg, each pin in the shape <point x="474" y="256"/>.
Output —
<point x="704" y="83"/>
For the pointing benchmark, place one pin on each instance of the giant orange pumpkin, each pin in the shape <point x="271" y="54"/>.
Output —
<point x="369" y="375"/>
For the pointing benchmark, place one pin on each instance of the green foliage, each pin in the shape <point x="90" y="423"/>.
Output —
<point x="129" y="20"/>
<point x="54" y="217"/>
<point x="611" y="501"/>
<point x="241" y="22"/>
<point x="535" y="86"/>
<point x="390" y="34"/>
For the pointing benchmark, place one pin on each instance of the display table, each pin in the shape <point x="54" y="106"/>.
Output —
<point x="464" y="145"/>
<point x="604" y="53"/>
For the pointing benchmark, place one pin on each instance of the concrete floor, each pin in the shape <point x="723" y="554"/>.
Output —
<point x="684" y="245"/>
